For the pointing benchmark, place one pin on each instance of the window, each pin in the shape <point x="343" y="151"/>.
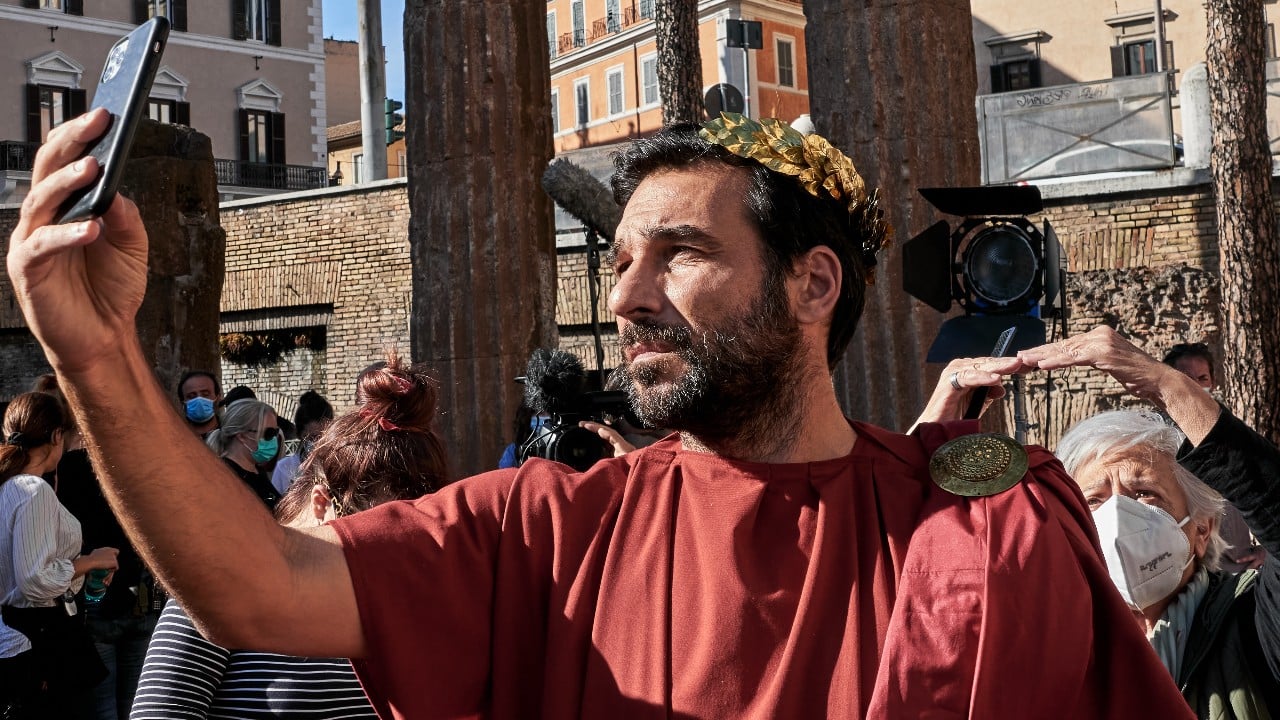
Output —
<point x="357" y="162"/>
<point x="403" y="165"/>
<point x="70" y="7"/>
<point x="49" y="106"/>
<point x="256" y="20"/>
<point x="175" y="10"/>
<point x="617" y="103"/>
<point x="613" y="15"/>
<point x="1271" y="41"/>
<point x="1012" y="75"/>
<point x="786" y="63"/>
<point x="551" y="34"/>
<point x="646" y="8"/>
<point x="175" y="112"/>
<point x="261" y="136"/>
<point x="582" y="101"/>
<point x="649" y="75"/>
<point x="555" y="110"/>
<point x="1140" y="57"/>
<point x="579" y="24"/>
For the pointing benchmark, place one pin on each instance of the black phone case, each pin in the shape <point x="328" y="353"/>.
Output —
<point x="123" y="89"/>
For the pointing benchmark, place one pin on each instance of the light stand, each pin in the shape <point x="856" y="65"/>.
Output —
<point x="593" y="289"/>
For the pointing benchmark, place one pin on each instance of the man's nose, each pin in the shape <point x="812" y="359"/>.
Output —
<point x="637" y="292"/>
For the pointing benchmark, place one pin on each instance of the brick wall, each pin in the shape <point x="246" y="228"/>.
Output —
<point x="1145" y="263"/>
<point x="338" y="258"/>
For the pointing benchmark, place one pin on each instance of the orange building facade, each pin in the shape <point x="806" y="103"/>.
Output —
<point x="604" y="74"/>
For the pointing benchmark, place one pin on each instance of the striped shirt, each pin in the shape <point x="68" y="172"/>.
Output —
<point x="38" y="540"/>
<point x="186" y="676"/>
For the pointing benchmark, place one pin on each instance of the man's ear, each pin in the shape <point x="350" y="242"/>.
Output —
<point x="815" y="281"/>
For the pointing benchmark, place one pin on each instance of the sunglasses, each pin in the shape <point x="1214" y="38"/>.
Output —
<point x="1185" y="347"/>
<point x="270" y="433"/>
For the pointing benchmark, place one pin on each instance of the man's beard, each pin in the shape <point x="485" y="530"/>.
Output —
<point x="741" y="382"/>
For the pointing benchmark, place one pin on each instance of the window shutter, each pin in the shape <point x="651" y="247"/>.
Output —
<point x="182" y="113"/>
<point x="1033" y="72"/>
<point x="997" y="79"/>
<point x="178" y="14"/>
<point x="74" y="7"/>
<point x="141" y="11"/>
<point x="277" y="138"/>
<point x="243" y="125"/>
<point x="1117" y="61"/>
<point x="31" y="4"/>
<point x="78" y="102"/>
<point x="239" y="21"/>
<point x="273" y="22"/>
<point x="33" y="113"/>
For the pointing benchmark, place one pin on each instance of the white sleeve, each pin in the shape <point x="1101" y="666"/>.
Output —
<point x="41" y="574"/>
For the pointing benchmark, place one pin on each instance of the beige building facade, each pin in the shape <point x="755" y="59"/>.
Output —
<point x="1023" y="45"/>
<point x="604" y="75"/>
<point x="247" y="73"/>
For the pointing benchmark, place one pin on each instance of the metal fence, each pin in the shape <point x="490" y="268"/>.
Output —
<point x="270" y="176"/>
<point x="17" y="156"/>
<point x="1103" y="126"/>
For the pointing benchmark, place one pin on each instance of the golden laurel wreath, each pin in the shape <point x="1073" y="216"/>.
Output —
<point x="818" y="165"/>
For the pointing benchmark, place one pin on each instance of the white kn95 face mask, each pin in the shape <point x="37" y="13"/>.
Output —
<point x="1145" y="549"/>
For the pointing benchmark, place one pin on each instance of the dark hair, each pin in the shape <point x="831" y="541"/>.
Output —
<point x="30" y="421"/>
<point x="312" y="407"/>
<point x="386" y="449"/>
<point x="791" y="221"/>
<point x="217" y="386"/>
<point x="239" y="392"/>
<point x="1189" y="350"/>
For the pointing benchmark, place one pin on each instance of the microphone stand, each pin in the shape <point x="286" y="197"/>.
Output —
<point x="593" y="287"/>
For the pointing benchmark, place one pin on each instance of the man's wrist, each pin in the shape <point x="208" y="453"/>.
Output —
<point x="1188" y="405"/>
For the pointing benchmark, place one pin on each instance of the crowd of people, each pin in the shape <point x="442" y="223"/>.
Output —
<point x="767" y="558"/>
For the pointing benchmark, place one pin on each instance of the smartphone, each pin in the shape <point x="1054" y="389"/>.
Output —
<point x="979" y="397"/>
<point x="123" y="90"/>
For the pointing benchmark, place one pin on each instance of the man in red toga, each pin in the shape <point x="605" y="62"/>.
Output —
<point x="772" y="560"/>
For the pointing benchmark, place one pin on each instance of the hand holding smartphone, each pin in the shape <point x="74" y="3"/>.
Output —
<point x="123" y="89"/>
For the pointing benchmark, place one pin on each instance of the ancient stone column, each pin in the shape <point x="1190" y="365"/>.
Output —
<point x="170" y="176"/>
<point x="480" y="229"/>
<point x="892" y="83"/>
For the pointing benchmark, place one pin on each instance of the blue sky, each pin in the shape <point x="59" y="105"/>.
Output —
<point x="340" y="22"/>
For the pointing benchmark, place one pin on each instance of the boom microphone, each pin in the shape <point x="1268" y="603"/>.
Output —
<point x="582" y="196"/>
<point x="554" y="380"/>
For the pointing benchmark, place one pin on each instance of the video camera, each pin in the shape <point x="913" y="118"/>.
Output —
<point x="555" y="385"/>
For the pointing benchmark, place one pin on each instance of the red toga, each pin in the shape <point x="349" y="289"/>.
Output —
<point x="678" y="584"/>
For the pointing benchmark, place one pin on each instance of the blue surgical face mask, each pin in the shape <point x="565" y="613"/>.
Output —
<point x="199" y="409"/>
<point x="266" y="450"/>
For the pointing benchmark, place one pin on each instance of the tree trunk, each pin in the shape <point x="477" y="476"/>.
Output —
<point x="904" y="129"/>
<point x="480" y="226"/>
<point x="679" y="64"/>
<point x="1249" y="259"/>
<point x="178" y="321"/>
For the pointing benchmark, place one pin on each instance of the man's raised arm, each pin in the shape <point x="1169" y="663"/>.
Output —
<point x="246" y="581"/>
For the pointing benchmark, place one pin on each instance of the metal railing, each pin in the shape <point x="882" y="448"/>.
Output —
<point x="270" y="176"/>
<point x="17" y="155"/>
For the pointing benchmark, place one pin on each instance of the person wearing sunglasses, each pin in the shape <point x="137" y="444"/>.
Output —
<point x="249" y="437"/>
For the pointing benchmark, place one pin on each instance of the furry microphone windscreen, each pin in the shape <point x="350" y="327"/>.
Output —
<point x="554" y="381"/>
<point x="582" y="196"/>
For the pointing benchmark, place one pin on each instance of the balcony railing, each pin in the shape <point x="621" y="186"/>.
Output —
<point x="597" y="30"/>
<point x="16" y="155"/>
<point x="270" y="176"/>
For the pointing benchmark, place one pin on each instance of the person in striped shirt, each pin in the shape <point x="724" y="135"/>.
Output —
<point x="387" y="449"/>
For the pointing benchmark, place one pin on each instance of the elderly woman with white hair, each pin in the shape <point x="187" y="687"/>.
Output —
<point x="1157" y="492"/>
